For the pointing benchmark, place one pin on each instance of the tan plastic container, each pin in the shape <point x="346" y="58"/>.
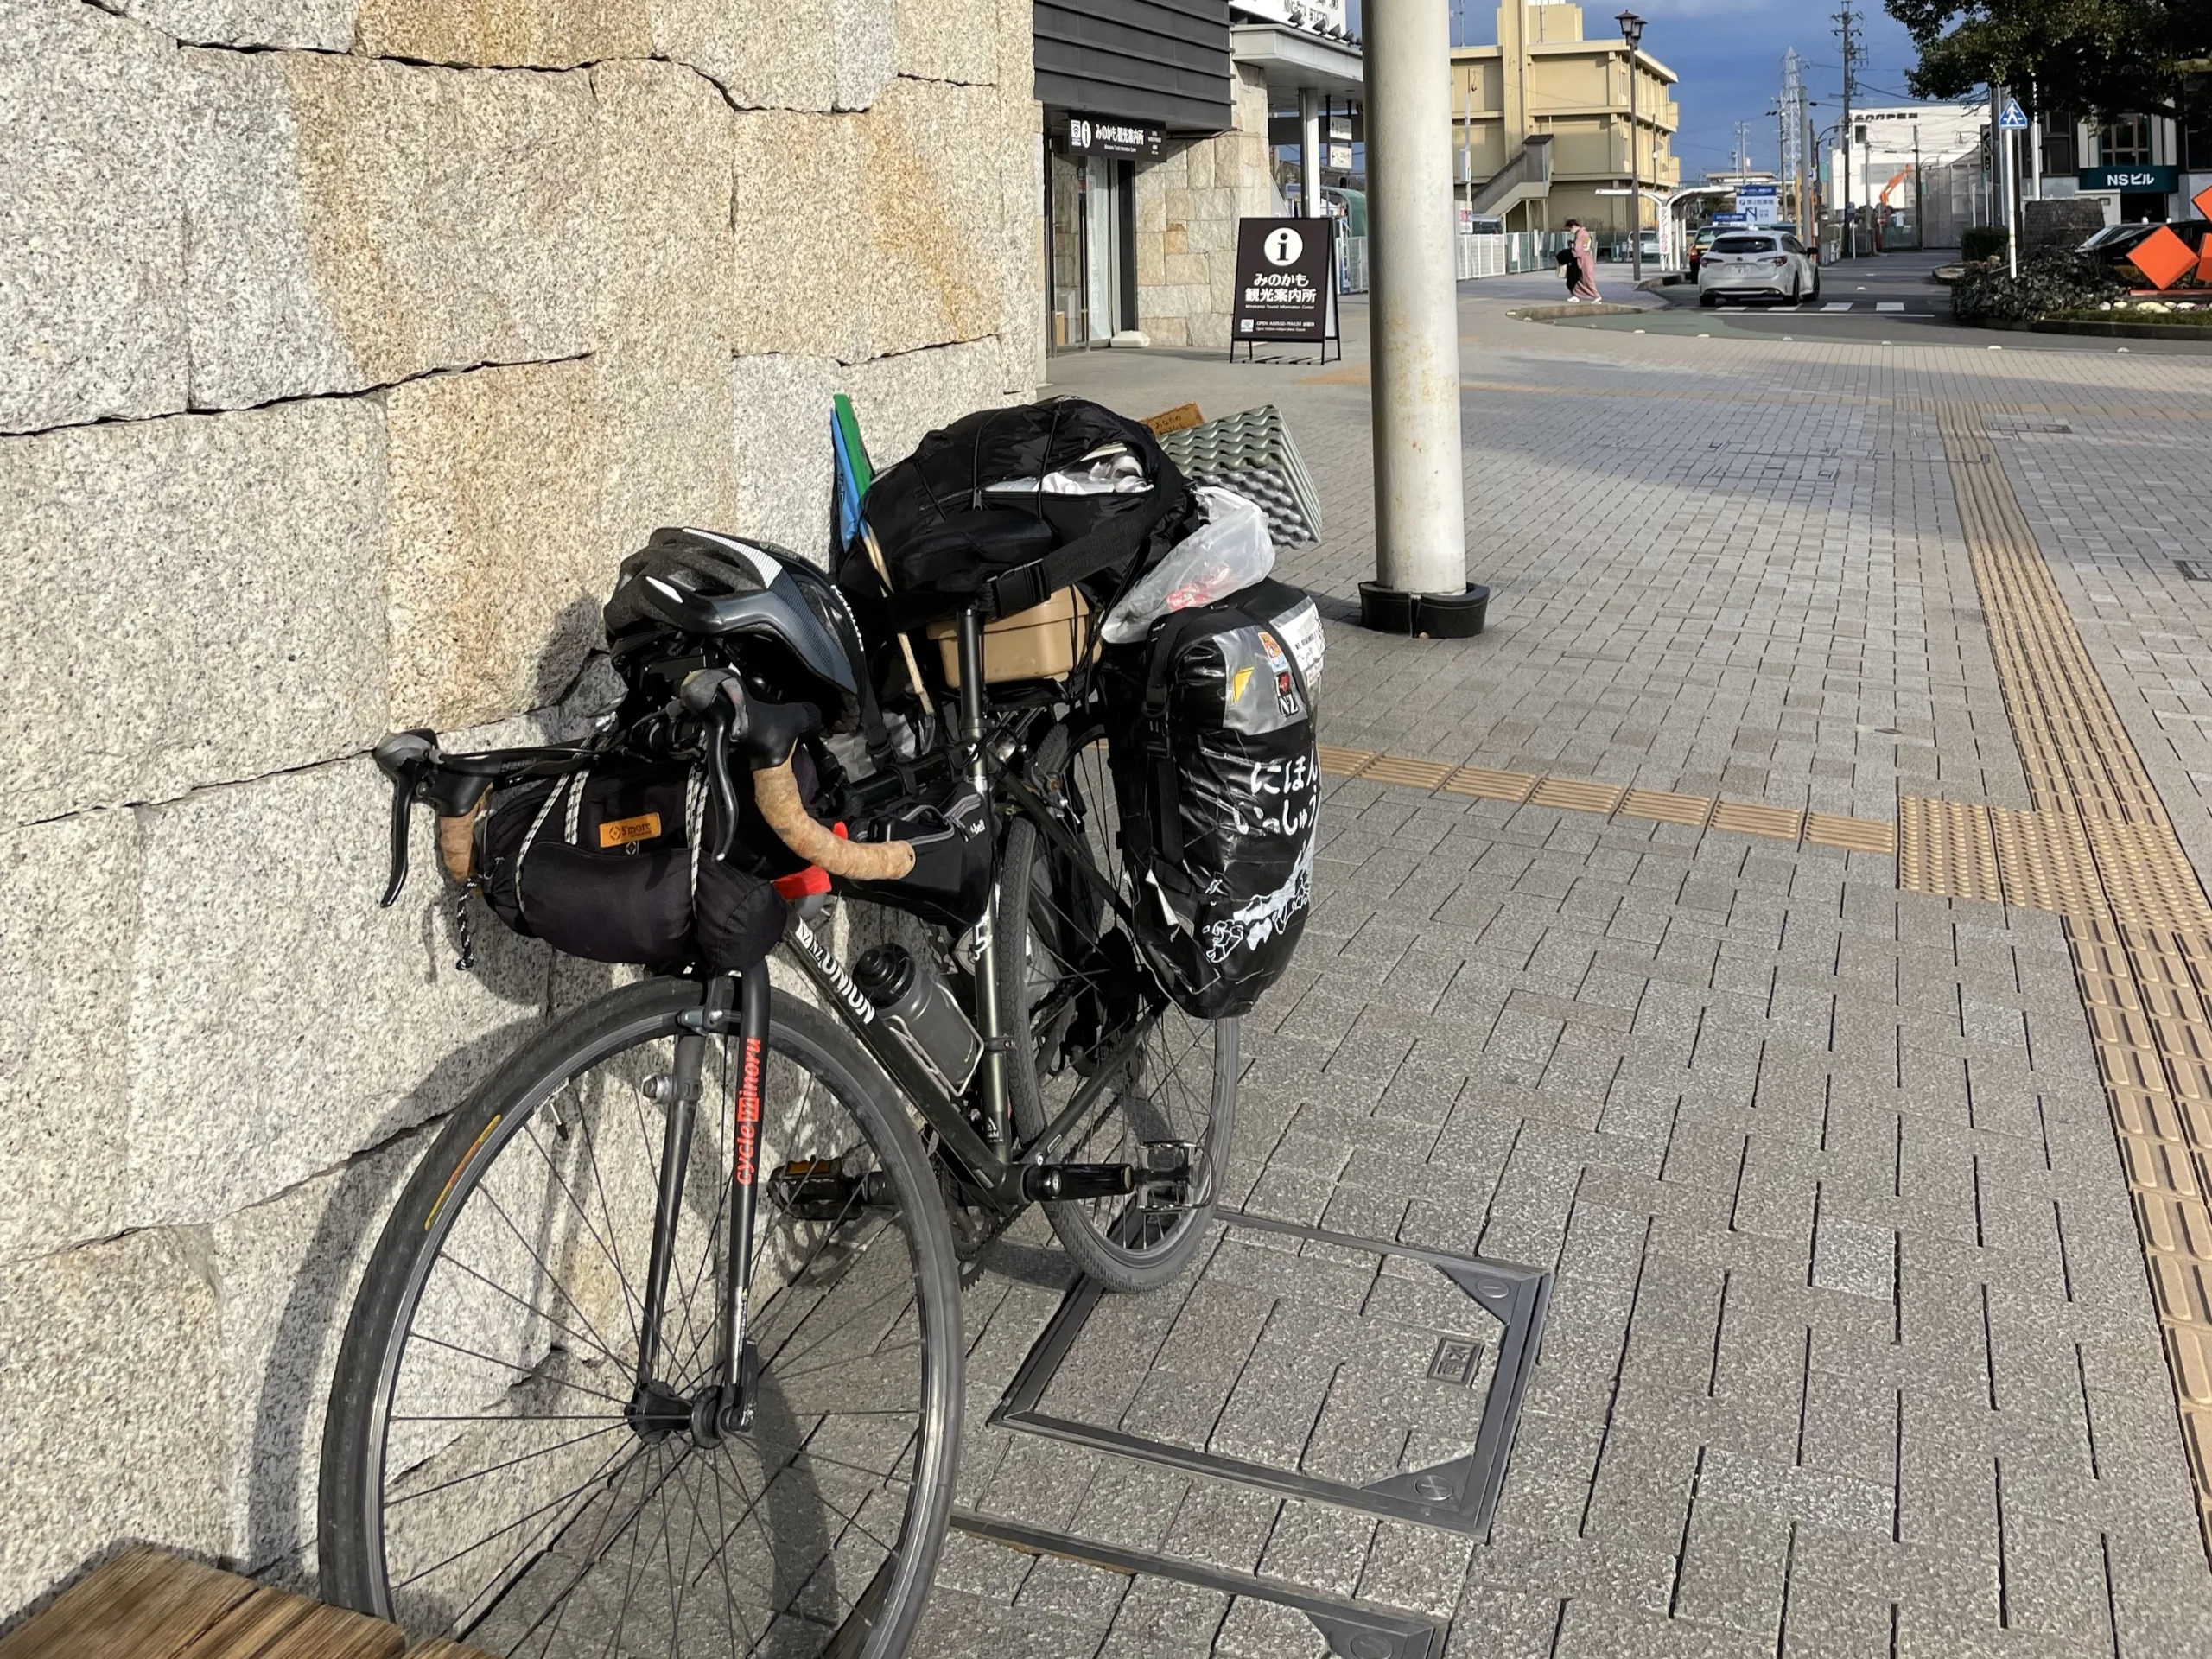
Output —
<point x="1041" y="643"/>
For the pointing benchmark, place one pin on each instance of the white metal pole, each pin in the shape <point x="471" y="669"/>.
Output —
<point x="1309" y="149"/>
<point x="2035" y="144"/>
<point x="1420" y="526"/>
<point x="2000" y="101"/>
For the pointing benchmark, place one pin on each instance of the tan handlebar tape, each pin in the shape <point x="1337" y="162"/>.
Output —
<point x="457" y="843"/>
<point x="776" y="792"/>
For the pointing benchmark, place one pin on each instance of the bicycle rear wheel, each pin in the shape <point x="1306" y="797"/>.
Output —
<point x="486" y="1475"/>
<point x="1073" y="981"/>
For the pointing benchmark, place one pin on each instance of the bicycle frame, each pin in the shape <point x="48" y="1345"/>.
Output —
<point x="994" y="1168"/>
<point x="991" y="1163"/>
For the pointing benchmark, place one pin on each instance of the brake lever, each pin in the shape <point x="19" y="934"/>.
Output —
<point x="406" y="758"/>
<point x="403" y="797"/>
<point x="718" y="772"/>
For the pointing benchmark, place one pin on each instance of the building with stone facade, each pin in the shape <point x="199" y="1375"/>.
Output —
<point x="1155" y="116"/>
<point x="345" y="346"/>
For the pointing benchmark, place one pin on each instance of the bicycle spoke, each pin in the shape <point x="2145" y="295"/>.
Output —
<point x="632" y="1304"/>
<point x="524" y="1521"/>
<point x="592" y="1341"/>
<point x="584" y="1216"/>
<point x="493" y="1468"/>
<point x="524" y="1371"/>
<point x="528" y="1509"/>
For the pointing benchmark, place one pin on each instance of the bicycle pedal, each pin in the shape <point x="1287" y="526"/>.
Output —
<point x="820" y="1189"/>
<point x="1066" y="1181"/>
<point x="1176" y="1177"/>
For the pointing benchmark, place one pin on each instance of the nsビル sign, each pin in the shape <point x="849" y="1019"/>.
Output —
<point x="2160" y="179"/>
<point x="1284" y="282"/>
<point x="1098" y="134"/>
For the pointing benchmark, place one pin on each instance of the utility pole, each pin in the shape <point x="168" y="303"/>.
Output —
<point x="1919" y="195"/>
<point x="1847" y="23"/>
<point x="1792" y="110"/>
<point x="1809" y="185"/>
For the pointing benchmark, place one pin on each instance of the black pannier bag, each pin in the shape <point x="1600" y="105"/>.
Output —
<point x="614" y="862"/>
<point x="1007" y="506"/>
<point x="1211" y="743"/>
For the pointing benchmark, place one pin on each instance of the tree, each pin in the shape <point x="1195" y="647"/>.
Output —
<point x="2094" y="56"/>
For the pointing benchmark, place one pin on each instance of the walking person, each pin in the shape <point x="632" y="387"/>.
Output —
<point x="1582" y="263"/>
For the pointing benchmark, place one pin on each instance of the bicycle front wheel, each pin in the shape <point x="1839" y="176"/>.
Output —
<point x="1074" y="994"/>
<point x="487" y="1473"/>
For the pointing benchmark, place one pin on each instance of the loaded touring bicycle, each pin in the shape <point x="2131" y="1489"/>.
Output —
<point x="659" y="1351"/>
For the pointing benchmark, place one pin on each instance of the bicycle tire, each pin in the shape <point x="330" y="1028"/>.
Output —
<point x="871" y="1620"/>
<point x="1106" y="1239"/>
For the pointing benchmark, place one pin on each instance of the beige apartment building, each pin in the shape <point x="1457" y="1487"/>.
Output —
<point x="1541" y="123"/>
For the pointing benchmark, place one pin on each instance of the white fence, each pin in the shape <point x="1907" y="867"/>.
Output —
<point x="1479" y="256"/>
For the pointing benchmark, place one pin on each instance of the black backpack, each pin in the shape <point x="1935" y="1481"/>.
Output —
<point x="1211" y="743"/>
<point x="964" y="518"/>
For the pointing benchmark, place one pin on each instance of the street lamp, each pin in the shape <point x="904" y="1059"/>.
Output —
<point x="1633" y="32"/>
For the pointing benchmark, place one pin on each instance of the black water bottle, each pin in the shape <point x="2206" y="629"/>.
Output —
<point x="916" y="1004"/>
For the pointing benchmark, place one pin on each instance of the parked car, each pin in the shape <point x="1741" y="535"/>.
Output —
<point x="2113" y="244"/>
<point x="1706" y="235"/>
<point x="1756" y="265"/>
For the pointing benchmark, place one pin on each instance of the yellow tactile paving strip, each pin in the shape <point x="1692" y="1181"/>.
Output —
<point x="2100" y="849"/>
<point x="1611" y="800"/>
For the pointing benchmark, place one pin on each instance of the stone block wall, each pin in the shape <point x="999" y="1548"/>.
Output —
<point x="346" y="348"/>
<point x="1187" y="206"/>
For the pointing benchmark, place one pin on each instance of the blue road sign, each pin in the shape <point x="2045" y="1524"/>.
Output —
<point x="2014" y="119"/>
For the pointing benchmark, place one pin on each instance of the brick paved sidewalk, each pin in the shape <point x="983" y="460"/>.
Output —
<point x="1850" y="1347"/>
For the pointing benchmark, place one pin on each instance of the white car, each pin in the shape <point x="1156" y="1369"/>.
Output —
<point x="1756" y="265"/>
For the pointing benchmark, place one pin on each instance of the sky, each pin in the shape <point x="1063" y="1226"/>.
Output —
<point x="1728" y="54"/>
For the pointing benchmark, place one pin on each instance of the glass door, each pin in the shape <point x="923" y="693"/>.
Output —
<point x="1069" y="314"/>
<point x="1101" y="243"/>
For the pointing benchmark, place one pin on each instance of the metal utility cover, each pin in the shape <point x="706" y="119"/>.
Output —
<point x="1302" y="1363"/>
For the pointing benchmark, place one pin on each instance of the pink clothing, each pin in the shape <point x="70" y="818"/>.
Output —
<point x="1584" y="262"/>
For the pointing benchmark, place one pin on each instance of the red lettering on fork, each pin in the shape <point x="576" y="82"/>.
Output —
<point x="748" y="1112"/>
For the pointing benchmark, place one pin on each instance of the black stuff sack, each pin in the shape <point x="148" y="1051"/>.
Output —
<point x="1211" y="743"/>
<point x="615" y="863"/>
<point x="1007" y="506"/>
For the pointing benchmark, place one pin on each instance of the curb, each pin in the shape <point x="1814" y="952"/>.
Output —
<point x="2107" y="330"/>
<point x="1555" y="313"/>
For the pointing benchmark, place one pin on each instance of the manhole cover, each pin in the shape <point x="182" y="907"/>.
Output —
<point x="2195" y="569"/>
<point x="1369" y="1374"/>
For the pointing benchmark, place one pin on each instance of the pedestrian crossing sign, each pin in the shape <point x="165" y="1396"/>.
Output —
<point x="2014" y="119"/>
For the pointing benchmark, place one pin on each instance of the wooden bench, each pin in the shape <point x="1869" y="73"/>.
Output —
<point x="147" y="1604"/>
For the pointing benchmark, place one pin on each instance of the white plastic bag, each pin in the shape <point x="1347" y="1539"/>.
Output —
<point x="1230" y="550"/>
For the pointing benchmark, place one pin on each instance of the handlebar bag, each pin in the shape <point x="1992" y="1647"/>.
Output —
<point x="1212" y="744"/>
<point x="614" y="863"/>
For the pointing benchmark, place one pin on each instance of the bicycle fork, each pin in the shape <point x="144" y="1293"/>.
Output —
<point x="725" y="1407"/>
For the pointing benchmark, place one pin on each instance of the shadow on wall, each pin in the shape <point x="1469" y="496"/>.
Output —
<point x="282" y="1484"/>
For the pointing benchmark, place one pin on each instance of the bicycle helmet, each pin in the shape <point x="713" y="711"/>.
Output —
<point x="768" y="613"/>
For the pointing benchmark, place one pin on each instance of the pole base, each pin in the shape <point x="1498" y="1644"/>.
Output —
<point x="1424" y="616"/>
